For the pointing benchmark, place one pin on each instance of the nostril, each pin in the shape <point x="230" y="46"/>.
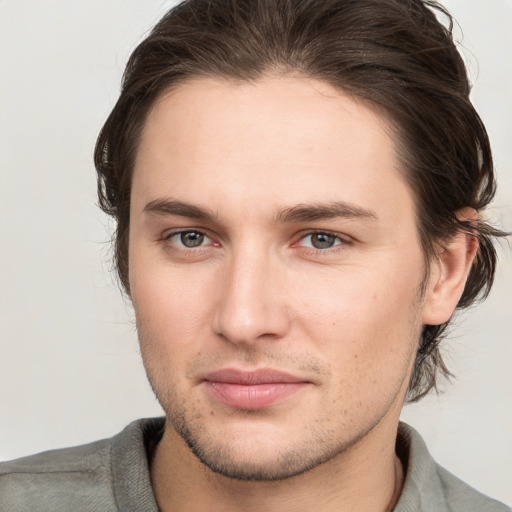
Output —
<point x="240" y="324"/>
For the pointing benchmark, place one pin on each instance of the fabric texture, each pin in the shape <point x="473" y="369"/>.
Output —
<point x="113" y="475"/>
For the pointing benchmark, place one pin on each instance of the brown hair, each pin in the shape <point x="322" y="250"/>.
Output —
<point x="393" y="53"/>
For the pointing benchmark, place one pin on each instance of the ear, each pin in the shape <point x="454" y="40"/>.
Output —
<point x="449" y="272"/>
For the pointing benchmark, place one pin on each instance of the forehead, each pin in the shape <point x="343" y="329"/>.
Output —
<point x="273" y="143"/>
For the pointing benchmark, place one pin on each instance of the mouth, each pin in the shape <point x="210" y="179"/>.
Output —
<point x="252" y="390"/>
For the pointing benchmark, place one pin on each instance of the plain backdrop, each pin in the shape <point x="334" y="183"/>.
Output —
<point x="70" y="370"/>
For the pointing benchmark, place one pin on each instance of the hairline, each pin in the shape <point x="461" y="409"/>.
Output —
<point x="392" y="126"/>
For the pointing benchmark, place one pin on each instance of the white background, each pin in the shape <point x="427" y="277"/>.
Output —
<point x="69" y="365"/>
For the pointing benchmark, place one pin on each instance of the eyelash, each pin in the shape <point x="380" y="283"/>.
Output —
<point x="339" y="242"/>
<point x="166" y="239"/>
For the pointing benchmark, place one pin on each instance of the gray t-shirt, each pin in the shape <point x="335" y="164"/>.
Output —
<point x="113" y="475"/>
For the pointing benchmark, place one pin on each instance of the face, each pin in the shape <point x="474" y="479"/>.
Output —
<point x="275" y="272"/>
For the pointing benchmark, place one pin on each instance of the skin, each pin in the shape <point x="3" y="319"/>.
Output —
<point x="255" y="293"/>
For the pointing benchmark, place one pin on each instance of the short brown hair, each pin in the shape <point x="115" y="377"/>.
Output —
<point x="393" y="53"/>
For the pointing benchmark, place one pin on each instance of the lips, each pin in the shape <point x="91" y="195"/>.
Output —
<point x="252" y="389"/>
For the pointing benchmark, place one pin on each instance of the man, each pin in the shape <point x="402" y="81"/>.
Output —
<point x="298" y="188"/>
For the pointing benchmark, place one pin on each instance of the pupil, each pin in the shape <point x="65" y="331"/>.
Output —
<point x="192" y="239"/>
<point x="322" y="241"/>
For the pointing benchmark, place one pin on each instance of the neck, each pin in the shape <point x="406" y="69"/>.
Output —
<point x="367" y="476"/>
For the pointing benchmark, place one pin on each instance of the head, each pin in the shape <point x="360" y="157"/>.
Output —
<point x="392" y="59"/>
<point x="394" y="55"/>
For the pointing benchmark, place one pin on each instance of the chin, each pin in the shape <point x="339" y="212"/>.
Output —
<point x="259" y="455"/>
<point x="256" y="467"/>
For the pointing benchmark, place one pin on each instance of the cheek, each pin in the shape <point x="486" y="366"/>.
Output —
<point x="365" y="321"/>
<point x="167" y="311"/>
<point x="170" y="306"/>
<point x="169" y="326"/>
<point x="367" y="337"/>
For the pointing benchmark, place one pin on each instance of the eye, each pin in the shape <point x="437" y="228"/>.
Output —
<point x="189" y="239"/>
<point x="320" y="240"/>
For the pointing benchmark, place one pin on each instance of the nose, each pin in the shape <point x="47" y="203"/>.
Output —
<point x="251" y="305"/>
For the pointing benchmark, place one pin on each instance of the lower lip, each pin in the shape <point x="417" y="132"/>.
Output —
<point x="254" y="396"/>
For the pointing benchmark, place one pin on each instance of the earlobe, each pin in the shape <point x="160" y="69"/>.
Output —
<point x="449" y="273"/>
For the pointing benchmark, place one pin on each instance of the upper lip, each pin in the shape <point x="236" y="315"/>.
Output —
<point x="254" y="377"/>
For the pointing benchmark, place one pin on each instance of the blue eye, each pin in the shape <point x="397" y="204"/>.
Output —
<point x="189" y="239"/>
<point x="321" y="240"/>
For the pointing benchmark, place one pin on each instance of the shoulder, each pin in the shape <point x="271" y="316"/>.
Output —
<point x="465" y="498"/>
<point x="107" y="475"/>
<point x="431" y="488"/>
<point x="59" y="479"/>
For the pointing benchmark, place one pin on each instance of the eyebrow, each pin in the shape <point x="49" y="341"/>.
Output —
<point x="179" y="208"/>
<point x="293" y="214"/>
<point x="323" y="211"/>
